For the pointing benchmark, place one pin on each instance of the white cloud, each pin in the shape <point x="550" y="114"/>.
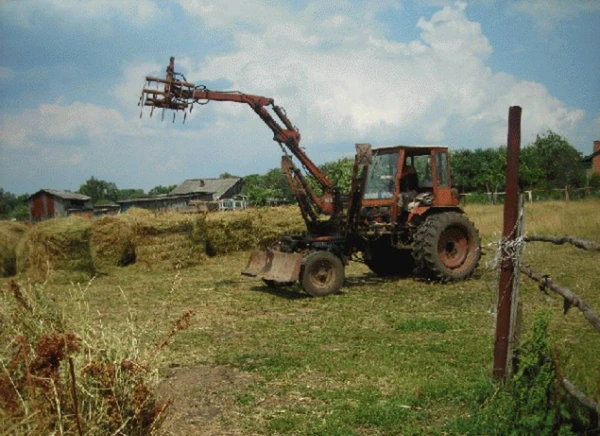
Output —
<point x="547" y="14"/>
<point x="343" y="79"/>
<point x="28" y="13"/>
<point x="55" y="125"/>
<point x="130" y="87"/>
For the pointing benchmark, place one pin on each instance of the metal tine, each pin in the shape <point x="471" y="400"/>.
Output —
<point x="184" y="116"/>
<point x="162" y="118"/>
<point x="174" y="113"/>
<point x="151" y="111"/>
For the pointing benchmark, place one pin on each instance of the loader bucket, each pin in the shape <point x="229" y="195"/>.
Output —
<point x="274" y="266"/>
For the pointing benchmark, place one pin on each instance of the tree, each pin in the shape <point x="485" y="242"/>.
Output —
<point x="227" y="175"/>
<point x="160" y="190"/>
<point x="482" y="169"/>
<point x="260" y="189"/>
<point x="13" y="206"/>
<point x="7" y="203"/>
<point x="558" y="161"/>
<point x="100" y="191"/>
<point x="130" y="194"/>
<point x="340" y="173"/>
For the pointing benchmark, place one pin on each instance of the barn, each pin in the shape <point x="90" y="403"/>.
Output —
<point x="189" y="193"/>
<point x="49" y="203"/>
<point x="209" y="189"/>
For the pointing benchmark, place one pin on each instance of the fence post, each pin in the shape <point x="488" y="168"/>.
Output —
<point x="507" y="268"/>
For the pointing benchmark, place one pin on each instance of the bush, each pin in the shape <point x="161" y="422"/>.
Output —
<point x="66" y="376"/>
<point x="534" y="401"/>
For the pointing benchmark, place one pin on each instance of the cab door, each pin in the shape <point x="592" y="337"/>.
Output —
<point x="442" y="188"/>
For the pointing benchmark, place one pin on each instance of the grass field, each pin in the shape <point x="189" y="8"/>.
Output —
<point x="386" y="356"/>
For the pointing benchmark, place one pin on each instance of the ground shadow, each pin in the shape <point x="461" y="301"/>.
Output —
<point x="289" y="292"/>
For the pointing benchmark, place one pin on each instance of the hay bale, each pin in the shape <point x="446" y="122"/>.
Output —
<point x="163" y="240"/>
<point x="226" y="236"/>
<point x="10" y="234"/>
<point x="228" y="232"/>
<point x="112" y="242"/>
<point x="59" y="246"/>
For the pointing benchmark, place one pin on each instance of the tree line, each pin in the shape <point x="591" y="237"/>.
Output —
<point x="549" y="162"/>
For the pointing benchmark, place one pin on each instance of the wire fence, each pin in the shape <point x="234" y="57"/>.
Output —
<point x="531" y="196"/>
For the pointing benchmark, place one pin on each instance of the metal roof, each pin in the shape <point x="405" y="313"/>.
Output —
<point x="217" y="187"/>
<point x="66" y="195"/>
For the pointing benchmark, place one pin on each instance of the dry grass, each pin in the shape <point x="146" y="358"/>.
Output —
<point x="393" y="356"/>
<point x="112" y="243"/>
<point x="76" y="248"/>
<point x="71" y="374"/>
<point x="10" y="235"/>
<point x="57" y="247"/>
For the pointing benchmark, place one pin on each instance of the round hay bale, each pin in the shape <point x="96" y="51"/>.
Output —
<point x="112" y="242"/>
<point x="59" y="245"/>
<point x="10" y="234"/>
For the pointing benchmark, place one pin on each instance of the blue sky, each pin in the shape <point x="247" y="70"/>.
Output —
<point x="347" y="71"/>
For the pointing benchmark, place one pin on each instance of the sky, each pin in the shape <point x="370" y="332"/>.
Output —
<point x="346" y="71"/>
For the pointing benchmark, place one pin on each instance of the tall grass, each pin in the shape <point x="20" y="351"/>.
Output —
<point x="64" y="372"/>
<point x="386" y="356"/>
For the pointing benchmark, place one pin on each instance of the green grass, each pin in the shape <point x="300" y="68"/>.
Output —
<point x="398" y="356"/>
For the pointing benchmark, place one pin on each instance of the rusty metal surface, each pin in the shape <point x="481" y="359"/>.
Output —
<point x="274" y="266"/>
<point x="507" y="270"/>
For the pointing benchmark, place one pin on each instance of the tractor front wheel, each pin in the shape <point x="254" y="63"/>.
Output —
<point x="447" y="247"/>
<point x="322" y="274"/>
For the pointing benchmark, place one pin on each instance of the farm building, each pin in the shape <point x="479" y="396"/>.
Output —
<point x="209" y="189"/>
<point x="190" y="193"/>
<point x="594" y="158"/>
<point x="49" y="203"/>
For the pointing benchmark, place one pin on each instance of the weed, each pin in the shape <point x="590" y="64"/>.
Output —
<point x="533" y="402"/>
<point x="41" y="392"/>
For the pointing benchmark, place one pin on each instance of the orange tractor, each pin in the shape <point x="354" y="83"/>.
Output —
<point x="401" y="215"/>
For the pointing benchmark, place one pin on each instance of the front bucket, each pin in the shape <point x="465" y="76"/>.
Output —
<point x="275" y="266"/>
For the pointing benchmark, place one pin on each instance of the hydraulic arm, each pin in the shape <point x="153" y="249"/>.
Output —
<point x="178" y="94"/>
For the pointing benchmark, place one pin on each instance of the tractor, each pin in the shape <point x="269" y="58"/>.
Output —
<point x="401" y="216"/>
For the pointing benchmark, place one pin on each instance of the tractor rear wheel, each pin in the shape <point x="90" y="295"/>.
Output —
<point x="322" y="274"/>
<point x="447" y="247"/>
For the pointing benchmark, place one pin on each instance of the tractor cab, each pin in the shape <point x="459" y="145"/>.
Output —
<point x="403" y="178"/>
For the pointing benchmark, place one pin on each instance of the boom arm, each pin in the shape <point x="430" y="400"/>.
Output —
<point x="179" y="95"/>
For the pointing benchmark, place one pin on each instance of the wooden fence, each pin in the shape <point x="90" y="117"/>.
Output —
<point x="570" y="300"/>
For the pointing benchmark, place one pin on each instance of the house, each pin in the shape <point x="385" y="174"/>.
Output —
<point x="49" y="203"/>
<point x="209" y="189"/>
<point x="594" y="158"/>
<point x="187" y="196"/>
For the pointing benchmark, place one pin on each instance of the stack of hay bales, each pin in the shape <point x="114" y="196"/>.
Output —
<point x="60" y="245"/>
<point x="162" y="240"/>
<point x="77" y="246"/>
<point x="10" y="235"/>
<point x="112" y="242"/>
<point x="229" y="232"/>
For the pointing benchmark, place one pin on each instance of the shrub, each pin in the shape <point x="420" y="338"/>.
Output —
<point x="66" y="376"/>
<point x="534" y="401"/>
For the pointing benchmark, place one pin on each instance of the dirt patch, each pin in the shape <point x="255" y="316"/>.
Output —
<point x="204" y="399"/>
